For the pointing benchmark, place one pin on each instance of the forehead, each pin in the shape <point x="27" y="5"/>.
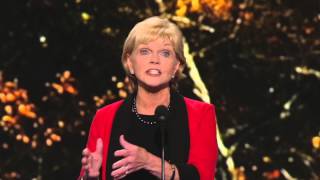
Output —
<point x="158" y="42"/>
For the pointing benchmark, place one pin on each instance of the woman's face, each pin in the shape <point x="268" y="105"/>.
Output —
<point x="153" y="63"/>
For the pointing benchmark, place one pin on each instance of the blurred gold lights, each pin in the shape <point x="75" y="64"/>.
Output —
<point x="307" y="71"/>
<point x="16" y="103"/>
<point x="275" y="174"/>
<point x="240" y="173"/>
<point x="266" y="159"/>
<point x="123" y="88"/>
<point x="218" y="8"/>
<point x="316" y="142"/>
<point x="43" y="41"/>
<point x="51" y="137"/>
<point x="65" y="84"/>
<point x="85" y="17"/>
<point x="12" y="175"/>
<point x="18" y="110"/>
<point x="61" y="124"/>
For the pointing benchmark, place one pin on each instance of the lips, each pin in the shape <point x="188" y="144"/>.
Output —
<point x="153" y="72"/>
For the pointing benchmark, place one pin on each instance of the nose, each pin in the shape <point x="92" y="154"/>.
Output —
<point x="154" y="59"/>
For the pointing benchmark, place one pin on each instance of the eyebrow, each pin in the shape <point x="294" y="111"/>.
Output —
<point x="168" y="44"/>
<point x="145" y="46"/>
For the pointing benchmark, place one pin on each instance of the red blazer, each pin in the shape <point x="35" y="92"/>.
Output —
<point x="203" y="150"/>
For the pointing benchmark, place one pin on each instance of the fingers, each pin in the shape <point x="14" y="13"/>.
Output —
<point x="92" y="159"/>
<point x="122" y="153"/>
<point x="85" y="162"/>
<point x="120" y="163"/>
<point x="125" y="144"/>
<point x="118" y="173"/>
<point x="132" y="159"/>
<point x="123" y="171"/>
<point x="99" y="146"/>
<point x="86" y="152"/>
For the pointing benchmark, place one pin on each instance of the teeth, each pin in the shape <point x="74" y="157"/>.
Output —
<point x="154" y="71"/>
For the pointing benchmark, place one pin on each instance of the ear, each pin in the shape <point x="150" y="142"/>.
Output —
<point x="176" y="67"/>
<point x="129" y="64"/>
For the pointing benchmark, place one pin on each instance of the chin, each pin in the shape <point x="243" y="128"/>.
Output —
<point x="154" y="87"/>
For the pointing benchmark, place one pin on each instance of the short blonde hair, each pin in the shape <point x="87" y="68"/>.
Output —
<point x="149" y="30"/>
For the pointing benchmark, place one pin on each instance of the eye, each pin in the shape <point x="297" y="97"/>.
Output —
<point x="144" y="51"/>
<point x="165" y="53"/>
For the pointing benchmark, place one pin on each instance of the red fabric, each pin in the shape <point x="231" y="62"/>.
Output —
<point x="203" y="151"/>
<point x="202" y="128"/>
<point x="101" y="128"/>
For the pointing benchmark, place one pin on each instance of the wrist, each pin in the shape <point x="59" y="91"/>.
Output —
<point x="93" y="173"/>
<point x="148" y="161"/>
<point x="173" y="170"/>
<point x="153" y="165"/>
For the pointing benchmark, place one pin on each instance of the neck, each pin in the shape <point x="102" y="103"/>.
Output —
<point x="147" y="101"/>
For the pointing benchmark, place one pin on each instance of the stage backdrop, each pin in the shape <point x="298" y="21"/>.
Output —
<point x="257" y="61"/>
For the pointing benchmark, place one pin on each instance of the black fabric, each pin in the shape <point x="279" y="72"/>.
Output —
<point x="120" y="126"/>
<point x="92" y="178"/>
<point x="179" y="139"/>
<point x="148" y="137"/>
<point x="187" y="172"/>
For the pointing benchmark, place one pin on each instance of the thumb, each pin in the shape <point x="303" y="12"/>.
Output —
<point x="124" y="143"/>
<point x="99" y="146"/>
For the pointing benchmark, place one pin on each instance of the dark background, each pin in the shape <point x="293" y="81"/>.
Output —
<point x="261" y="66"/>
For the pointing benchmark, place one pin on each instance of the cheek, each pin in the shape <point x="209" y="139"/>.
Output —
<point x="175" y="66"/>
<point x="139" y="67"/>
<point x="135" y="63"/>
<point x="171" y="68"/>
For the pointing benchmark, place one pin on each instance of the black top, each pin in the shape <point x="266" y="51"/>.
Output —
<point x="148" y="136"/>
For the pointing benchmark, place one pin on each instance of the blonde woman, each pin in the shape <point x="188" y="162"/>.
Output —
<point x="124" y="140"/>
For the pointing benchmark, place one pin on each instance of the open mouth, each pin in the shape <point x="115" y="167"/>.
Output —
<point x="153" y="72"/>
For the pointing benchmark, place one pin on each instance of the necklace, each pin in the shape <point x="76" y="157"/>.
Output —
<point x="134" y="109"/>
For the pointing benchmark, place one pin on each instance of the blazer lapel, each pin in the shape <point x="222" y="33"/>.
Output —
<point x="120" y="126"/>
<point x="178" y="130"/>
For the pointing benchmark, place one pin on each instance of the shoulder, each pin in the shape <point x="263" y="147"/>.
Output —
<point x="201" y="116"/>
<point x="197" y="105"/>
<point x="105" y="115"/>
<point x="110" y="108"/>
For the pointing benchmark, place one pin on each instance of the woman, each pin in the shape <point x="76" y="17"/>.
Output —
<point x="124" y="137"/>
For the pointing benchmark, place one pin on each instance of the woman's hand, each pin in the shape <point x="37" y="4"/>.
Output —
<point x="134" y="159"/>
<point x="91" y="161"/>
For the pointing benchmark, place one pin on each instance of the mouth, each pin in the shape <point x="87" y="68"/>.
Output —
<point x="153" y="72"/>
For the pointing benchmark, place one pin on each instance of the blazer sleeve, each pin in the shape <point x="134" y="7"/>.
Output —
<point x="203" y="144"/>
<point x="94" y="133"/>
